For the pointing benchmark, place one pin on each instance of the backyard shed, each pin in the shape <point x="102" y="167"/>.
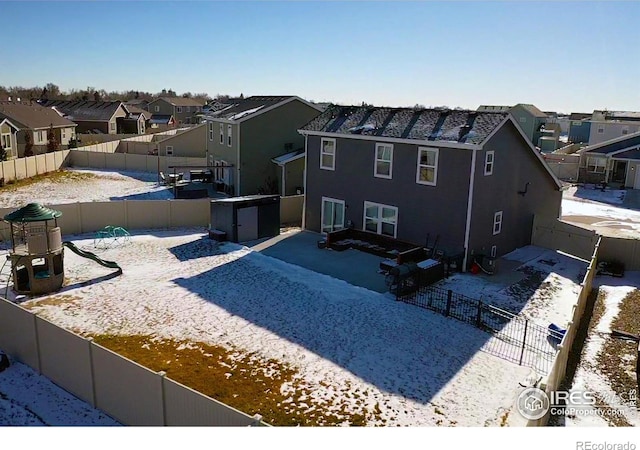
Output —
<point x="246" y="218"/>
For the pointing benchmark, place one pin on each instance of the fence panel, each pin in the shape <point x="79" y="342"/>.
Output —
<point x="115" y="161"/>
<point x="558" y="235"/>
<point x="148" y="214"/>
<point x="20" y="165"/>
<point x="18" y="335"/>
<point x="189" y="213"/>
<point x="65" y="358"/>
<point x="186" y="407"/>
<point x="9" y="170"/>
<point x="291" y="209"/>
<point x="136" y="163"/>
<point x="97" y="160"/>
<point x="40" y="165"/>
<point x="96" y="215"/>
<point x="127" y="391"/>
<point x="79" y="158"/>
<point x="50" y="162"/>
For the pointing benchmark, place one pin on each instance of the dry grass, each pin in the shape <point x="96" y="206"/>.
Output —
<point x="59" y="176"/>
<point x="57" y="300"/>
<point x="243" y="381"/>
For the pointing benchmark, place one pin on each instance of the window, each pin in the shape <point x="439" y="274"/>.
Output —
<point x="384" y="161"/>
<point x="221" y="135"/>
<point x="169" y="150"/>
<point x="488" y="163"/>
<point x="328" y="154"/>
<point x="523" y="119"/>
<point x="494" y="251"/>
<point x="178" y="109"/>
<point x="576" y="123"/>
<point x="497" y="223"/>
<point x="5" y="141"/>
<point x="211" y="131"/>
<point x="63" y="133"/>
<point x="40" y="136"/>
<point x="142" y="127"/>
<point x="380" y="219"/>
<point x="187" y="108"/>
<point x="229" y="131"/>
<point x="112" y="126"/>
<point x="600" y="129"/>
<point x="625" y="130"/>
<point x="332" y="214"/>
<point x="596" y="165"/>
<point x="427" y="166"/>
<point x="157" y="108"/>
<point x="225" y="172"/>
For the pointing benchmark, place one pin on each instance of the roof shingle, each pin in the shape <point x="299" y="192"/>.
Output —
<point x="33" y="116"/>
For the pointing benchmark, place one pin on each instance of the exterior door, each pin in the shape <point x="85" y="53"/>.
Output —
<point x="332" y="214"/>
<point x="247" y="224"/>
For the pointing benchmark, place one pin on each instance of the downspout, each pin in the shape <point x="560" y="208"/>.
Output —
<point x="467" y="230"/>
<point x="304" y="183"/>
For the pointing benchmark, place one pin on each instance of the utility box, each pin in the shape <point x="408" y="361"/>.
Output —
<point x="247" y="218"/>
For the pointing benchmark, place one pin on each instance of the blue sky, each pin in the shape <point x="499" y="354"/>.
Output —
<point x="562" y="56"/>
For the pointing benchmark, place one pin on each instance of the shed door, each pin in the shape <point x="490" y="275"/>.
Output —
<point x="247" y="224"/>
<point x="636" y="184"/>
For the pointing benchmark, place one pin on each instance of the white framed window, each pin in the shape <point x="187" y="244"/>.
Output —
<point x="328" y="154"/>
<point x="600" y="129"/>
<point x="488" y="162"/>
<point x="168" y="150"/>
<point x="224" y="173"/>
<point x="63" y="133"/>
<point x="625" y="130"/>
<point x="427" y="172"/>
<point x="523" y="119"/>
<point x="142" y="129"/>
<point x="596" y="165"/>
<point x="497" y="223"/>
<point x="380" y="219"/>
<point x="332" y="215"/>
<point x="384" y="161"/>
<point x="211" y="131"/>
<point x="229" y="131"/>
<point x="39" y="137"/>
<point x="221" y="134"/>
<point x="5" y="141"/>
<point x="157" y="108"/>
<point x="178" y="109"/>
<point x="112" y="126"/>
<point x="494" y="251"/>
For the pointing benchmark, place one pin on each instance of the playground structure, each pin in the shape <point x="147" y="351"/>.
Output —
<point x="37" y="250"/>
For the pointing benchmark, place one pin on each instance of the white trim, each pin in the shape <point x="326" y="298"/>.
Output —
<point x="494" y="251"/>
<point x="332" y="200"/>
<point x="435" y="166"/>
<point x="497" y="220"/>
<point x="5" y="120"/>
<point x="229" y="135"/>
<point x="333" y="161"/>
<point x="467" y="230"/>
<point x="376" y="160"/>
<point x="487" y="162"/>
<point x="423" y="142"/>
<point x="304" y="183"/>
<point x="294" y="158"/>
<point x="380" y="219"/>
<point x="277" y="105"/>
<point x="590" y="148"/>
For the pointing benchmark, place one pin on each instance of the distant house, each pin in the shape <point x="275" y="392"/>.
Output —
<point x="136" y="122"/>
<point x="249" y="134"/>
<point x="161" y="122"/>
<point x="35" y="120"/>
<point x="494" y="108"/>
<point x="549" y="137"/>
<point x="530" y="119"/>
<point x="191" y="142"/>
<point x="138" y="103"/>
<point x="614" y="161"/>
<point x="183" y="110"/>
<point x="607" y="125"/>
<point x="471" y="179"/>
<point x="91" y="116"/>
<point x="291" y="172"/>
<point x="9" y="138"/>
<point x="579" y="127"/>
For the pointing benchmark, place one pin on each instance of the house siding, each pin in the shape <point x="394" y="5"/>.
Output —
<point x="222" y="152"/>
<point x="191" y="143"/>
<point x="579" y="131"/>
<point x="612" y="130"/>
<point x="531" y="126"/>
<point x="263" y="137"/>
<point x="514" y="166"/>
<point x="88" y="125"/>
<point x="168" y="108"/>
<point x="434" y="211"/>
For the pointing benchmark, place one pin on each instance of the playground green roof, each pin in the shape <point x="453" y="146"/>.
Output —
<point x="33" y="212"/>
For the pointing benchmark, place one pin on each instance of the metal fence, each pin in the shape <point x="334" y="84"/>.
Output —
<point x="517" y="339"/>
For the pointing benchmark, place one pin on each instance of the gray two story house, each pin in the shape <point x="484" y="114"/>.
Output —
<point x="91" y="116"/>
<point x="184" y="111"/>
<point x="471" y="179"/>
<point x="252" y="140"/>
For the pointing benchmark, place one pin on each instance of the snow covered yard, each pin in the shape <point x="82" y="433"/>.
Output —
<point x="79" y="185"/>
<point x="352" y="355"/>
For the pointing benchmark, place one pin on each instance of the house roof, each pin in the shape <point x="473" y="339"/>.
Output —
<point x="531" y="109"/>
<point x="161" y="119"/>
<point x="8" y="122"/>
<point x="33" y="116"/>
<point x="438" y="125"/>
<point x="579" y="116"/>
<point x="245" y="108"/>
<point x="633" y="153"/>
<point x="80" y="110"/>
<point x="288" y="157"/>
<point x="135" y="111"/>
<point x="614" y="145"/>
<point x="181" y="101"/>
<point x="494" y="108"/>
<point x="33" y="212"/>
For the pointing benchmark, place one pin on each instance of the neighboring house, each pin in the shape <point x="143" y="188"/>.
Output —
<point x="471" y="180"/>
<point x="549" y="137"/>
<point x="189" y="143"/>
<point x="137" y="103"/>
<point x="613" y="161"/>
<point x="9" y="138"/>
<point x="91" y="116"/>
<point x="530" y="119"/>
<point x="579" y="128"/>
<point x="250" y="133"/>
<point x="607" y="125"/>
<point x="162" y="122"/>
<point x="183" y="110"/>
<point x="35" y="120"/>
<point x="137" y="122"/>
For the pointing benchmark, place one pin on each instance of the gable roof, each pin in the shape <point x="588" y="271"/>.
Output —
<point x="79" y="110"/>
<point x="32" y="116"/>
<point x="613" y="145"/>
<point x="579" y="116"/>
<point x="181" y="101"/>
<point x="135" y="111"/>
<point x="494" y="108"/>
<point x="8" y="122"/>
<point x="288" y="157"/>
<point x="252" y="106"/>
<point x="531" y="109"/>
<point x="437" y="125"/>
<point x="161" y="119"/>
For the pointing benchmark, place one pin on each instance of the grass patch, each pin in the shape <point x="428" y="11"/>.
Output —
<point x="58" y="176"/>
<point x="244" y="381"/>
<point x="57" y="300"/>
